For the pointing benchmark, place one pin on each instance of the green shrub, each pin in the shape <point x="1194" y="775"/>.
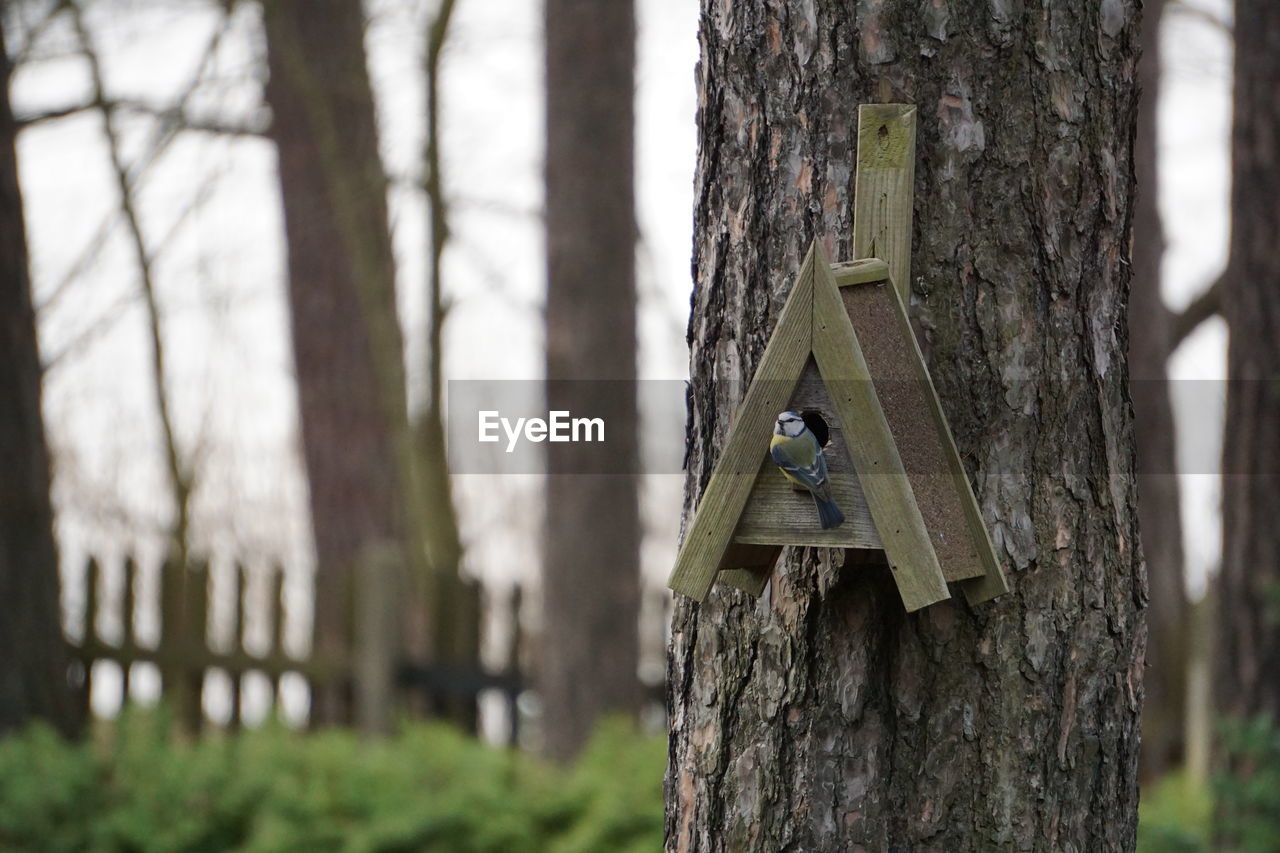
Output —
<point x="1174" y="816"/>
<point x="1248" y="793"/>
<point x="133" y="788"/>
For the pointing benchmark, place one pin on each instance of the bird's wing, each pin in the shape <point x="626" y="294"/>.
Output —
<point x="802" y="460"/>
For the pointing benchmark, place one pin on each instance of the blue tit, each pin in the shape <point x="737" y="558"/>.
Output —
<point x="796" y="450"/>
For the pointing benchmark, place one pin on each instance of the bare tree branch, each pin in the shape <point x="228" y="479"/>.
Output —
<point x="1207" y="304"/>
<point x="156" y="146"/>
<point x="1191" y="10"/>
<point x="34" y="32"/>
<point x="108" y="319"/>
<point x="181" y="477"/>
<point x="174" y="118"/>
<point x="437" y="207"/>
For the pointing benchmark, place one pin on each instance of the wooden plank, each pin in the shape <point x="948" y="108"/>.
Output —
<point x="871" y="446"/>
<point x="92" y="577"/>
<point x="889" y="351"/>
<point x="884" y="187"/>
<point x="748" y="567"/>
<point x="992" y="581"/>
<point x="748" y="441"/>
<point x="778" y="514"/>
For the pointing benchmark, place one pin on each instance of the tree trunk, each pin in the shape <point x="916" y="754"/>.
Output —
<point x="591" y="576"/>
<point x="1249" y="588"/>
<point x="34" y="658"/>
<point x="822" y="717"/>
<point x="346" y="338"/>
<point x="1150" y="345"/>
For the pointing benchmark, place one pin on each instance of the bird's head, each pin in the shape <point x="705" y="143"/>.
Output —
<point x="789" y="424"/>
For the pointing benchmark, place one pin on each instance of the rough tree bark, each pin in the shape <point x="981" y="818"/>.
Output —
<point x="33" y="653"/>
<point x="346" y="339"/>
<point x="1150" y="345"/>
<point x="1249" y="588"/>
<point x="822" y="717"/>
<point x="591" y="576"/>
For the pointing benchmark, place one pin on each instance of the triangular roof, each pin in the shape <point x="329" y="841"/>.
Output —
<point x="814" y="323"/>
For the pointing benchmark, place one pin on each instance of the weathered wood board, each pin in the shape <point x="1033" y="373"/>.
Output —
<point x="903" y="397"/>
<point x="735" y="472"/>
<point x="872" y="446"/>
<point x="938" y="478"/>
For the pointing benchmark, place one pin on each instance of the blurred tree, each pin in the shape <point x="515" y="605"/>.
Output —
<point x="589" y="652"/>
<point x="346" y="337"/>
<point x="34" y="659"/>
<point x="1249" y="587"/>
<point x="376" y="481"/>
<point x="823" y="717"/>
<point x="454" y="599"/>
<point x="1150" y="345"/>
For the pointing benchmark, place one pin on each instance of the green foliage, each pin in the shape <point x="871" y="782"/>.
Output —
<point x="1239" y="813"/>
<point x="132" y="788"/>
<point x="1175" y="816"/>
<point x="1248" y="814"/>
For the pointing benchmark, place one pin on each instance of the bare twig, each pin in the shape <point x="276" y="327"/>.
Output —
<point x="34" y="32"/>
<point x="112" y="315"/>
<point x="155" y="147"/>
<point x="173" y="117"/>
<point x="181" y="477"/>
<point x="437" y="208"/>
<point x="1207" y="304"/>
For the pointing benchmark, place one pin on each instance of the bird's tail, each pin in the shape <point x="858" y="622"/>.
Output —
<point x="829" y="515"/>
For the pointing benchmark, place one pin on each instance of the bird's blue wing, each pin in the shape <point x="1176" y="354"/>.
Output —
<point x="802" y="459"/>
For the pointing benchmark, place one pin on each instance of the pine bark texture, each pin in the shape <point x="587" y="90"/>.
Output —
<point x="822" y="717"/>
<point x="33" y="653"/>
<point x="1150" y="345"/>
<point x="1249" y="589"/>
<point x="346" y="341"/>
<point x="591" y="561"/>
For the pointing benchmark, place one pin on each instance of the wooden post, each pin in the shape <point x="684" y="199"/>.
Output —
<point x="170" y="630"/>
<point x="195" y="584"/>
<point x="377" y="630"/>
<point x="514" y="649"/>
<point x="89" y="639"/>
<point x="239" y="583"/>
<point x="129" y="636"/>
<point x="277" y="653"/>
<point x="884" y="189"/>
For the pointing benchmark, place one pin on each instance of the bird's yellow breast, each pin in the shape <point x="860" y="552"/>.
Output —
<point x="783" y="439"/>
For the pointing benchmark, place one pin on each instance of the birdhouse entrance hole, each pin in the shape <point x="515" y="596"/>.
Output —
<point x="817" y="425"/>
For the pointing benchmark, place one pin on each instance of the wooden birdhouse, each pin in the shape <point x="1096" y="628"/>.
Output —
<point x="843" y="354"/>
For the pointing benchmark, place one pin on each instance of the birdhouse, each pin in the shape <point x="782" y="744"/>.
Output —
<point x="844" y="356"/>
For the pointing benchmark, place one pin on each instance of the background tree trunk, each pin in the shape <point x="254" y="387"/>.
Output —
<point x="1249" y="588"/>
<point x="346" y="338"/>
<point x="822" y="717"/>
<point x="591" y="576"/>
<point x="33" y="652"/>
<point x="1150" y="345"/>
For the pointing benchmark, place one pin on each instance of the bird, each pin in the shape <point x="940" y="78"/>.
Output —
<point x="797" y="453"/>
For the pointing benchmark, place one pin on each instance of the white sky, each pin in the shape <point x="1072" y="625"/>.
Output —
<point x="221" y="285"/>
